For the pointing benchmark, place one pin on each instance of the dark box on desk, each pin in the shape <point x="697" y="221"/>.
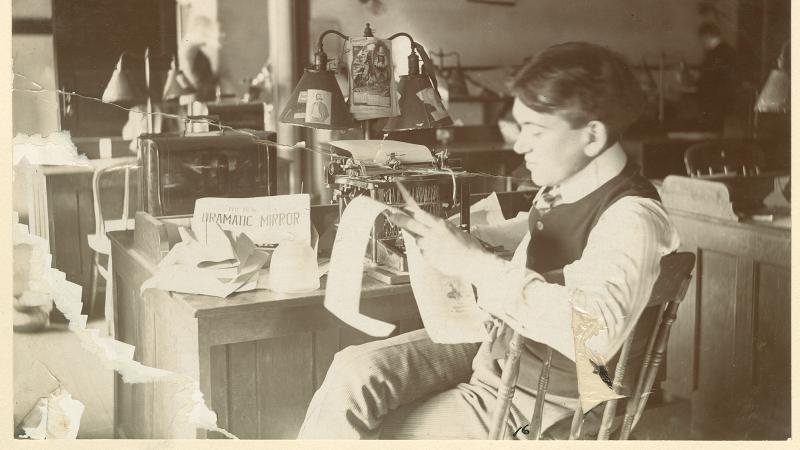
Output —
<point x="177" y="170"/>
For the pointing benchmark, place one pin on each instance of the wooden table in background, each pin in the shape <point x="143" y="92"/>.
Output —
<point x="60" y="209"/>
<point x="729" y="352"/>
<point x="488" y="157"/>
<point x="259" y="355"/>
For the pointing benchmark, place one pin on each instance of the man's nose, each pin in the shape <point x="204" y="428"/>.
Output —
<point x="522" y="145"/>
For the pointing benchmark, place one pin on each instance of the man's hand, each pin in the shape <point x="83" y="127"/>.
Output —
<point x="445" y="247"/>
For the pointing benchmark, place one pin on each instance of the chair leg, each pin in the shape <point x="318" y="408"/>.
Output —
<point x="577" y="424"/>
<point x="505" y="392"/>
<point x="93" y="282"/>
<point x="541" y="392"/>
<point x="108" y="308"/>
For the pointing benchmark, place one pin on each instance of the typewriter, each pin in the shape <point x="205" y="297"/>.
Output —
<point x="373" y="168"/>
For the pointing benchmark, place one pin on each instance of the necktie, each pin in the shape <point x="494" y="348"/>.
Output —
<point x="549" y="198"/>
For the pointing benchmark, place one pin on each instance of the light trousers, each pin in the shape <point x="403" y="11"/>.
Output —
<point x="408" y="387"/>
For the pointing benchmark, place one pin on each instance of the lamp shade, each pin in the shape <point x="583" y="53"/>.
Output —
<point x="420" y="105"/>
<point x="122" y="88"/>
<point x="177" y="84"/>
<point x="317" y="102"/>
<point x="775" y="97"/>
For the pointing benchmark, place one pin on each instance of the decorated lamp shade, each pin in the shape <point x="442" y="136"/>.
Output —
<point x="317" y="102"/>
<point x="177" y="83"/>
<point x="122" y="87"/>
<point x="420" y="105"/>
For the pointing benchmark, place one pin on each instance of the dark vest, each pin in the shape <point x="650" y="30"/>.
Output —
<point x="558" y="239"/>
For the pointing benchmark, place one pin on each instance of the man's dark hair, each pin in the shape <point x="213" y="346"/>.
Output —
<point x="708" y="29"/>
<point x="581" y="82"/>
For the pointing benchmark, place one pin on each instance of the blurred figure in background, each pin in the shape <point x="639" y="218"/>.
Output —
<point x="718" y="81"/>
<point x="202" y="72"/>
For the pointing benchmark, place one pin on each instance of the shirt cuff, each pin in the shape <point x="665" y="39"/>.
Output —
<point x="538" y="310"/>
<point x="499" y="283"/>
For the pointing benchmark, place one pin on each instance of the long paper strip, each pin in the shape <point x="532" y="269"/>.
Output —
<point x="343" y="291"/>
<point x="447" y="304"/>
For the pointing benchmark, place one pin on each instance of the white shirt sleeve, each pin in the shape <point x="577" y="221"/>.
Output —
<point x="611" y="281"/>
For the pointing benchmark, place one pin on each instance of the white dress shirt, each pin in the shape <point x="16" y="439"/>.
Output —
<point x="611" y="281"/>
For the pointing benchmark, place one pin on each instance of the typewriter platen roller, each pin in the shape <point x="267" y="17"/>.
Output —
<point x="374" y="167"/>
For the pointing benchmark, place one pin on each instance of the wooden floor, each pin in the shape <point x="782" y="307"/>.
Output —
<point x="82" y="375"/>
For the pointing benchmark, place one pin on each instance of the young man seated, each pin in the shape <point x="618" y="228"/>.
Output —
<point x="595" y="219"/>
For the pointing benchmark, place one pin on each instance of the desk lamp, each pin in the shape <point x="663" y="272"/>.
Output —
<point x="177" y="83"/>
<point x="318" y="78"/>
<point x="123" y="89"/>
<point x="420" y="103"/>
<point x="420" y="107"/>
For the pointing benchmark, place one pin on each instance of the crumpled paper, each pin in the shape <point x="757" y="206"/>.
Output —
<point x="55" y="417"/>
<point x="114" y="354"/>
<point x="227" y="262"/>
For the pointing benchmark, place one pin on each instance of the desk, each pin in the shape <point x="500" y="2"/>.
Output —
<point x="729" y="352"/>
<point x="259" y="356"/>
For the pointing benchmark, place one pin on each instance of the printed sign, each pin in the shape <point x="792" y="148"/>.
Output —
<point x="265" y="220"/>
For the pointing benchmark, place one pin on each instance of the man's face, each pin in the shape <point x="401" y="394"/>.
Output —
<point x="553" y="149"/>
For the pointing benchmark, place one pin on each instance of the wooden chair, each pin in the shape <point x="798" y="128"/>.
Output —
<point x="102" y="190"/>
<point x="668" y="291"/>
<point x="722" y="157"/>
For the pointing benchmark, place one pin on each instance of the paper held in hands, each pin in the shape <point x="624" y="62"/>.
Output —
<point x="447" y="305"/>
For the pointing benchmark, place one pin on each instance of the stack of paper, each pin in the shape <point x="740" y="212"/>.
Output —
<point x="226" y="262"/>
<point x="55" y="149"/>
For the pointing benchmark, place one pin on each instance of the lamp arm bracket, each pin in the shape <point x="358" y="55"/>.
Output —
<point x="396" y="35"/>
<point x="327" y="32"/>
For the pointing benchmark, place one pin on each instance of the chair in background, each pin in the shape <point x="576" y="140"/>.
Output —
<point x="668" y="291"/>
<point x="109" y="196"/>
<point x="723" y="157"/>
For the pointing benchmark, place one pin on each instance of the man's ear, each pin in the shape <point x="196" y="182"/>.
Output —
<point x="596" y="137"/>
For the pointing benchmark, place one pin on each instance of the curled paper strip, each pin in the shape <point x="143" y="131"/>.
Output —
<point x="447" y="305"/>
<point x="115" y="354"/>
<point x="343" y="291"/>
